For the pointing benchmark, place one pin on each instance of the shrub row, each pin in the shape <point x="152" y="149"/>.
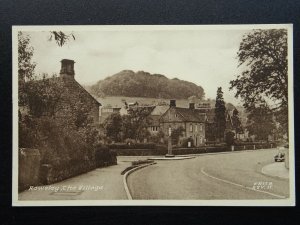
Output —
<point x="140" y="152"/>
<point x="105" y="157"/>
<point x="132" y="146"/>
<point x="162" y="150"/>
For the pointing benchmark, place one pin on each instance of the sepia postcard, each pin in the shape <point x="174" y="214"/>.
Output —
<point x="193" y="115"/>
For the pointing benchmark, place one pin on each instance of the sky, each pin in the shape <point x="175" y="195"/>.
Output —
<point x="205" y="57"/>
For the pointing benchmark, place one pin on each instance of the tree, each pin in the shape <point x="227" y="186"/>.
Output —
<point x="60" y="37"/>
<point x="176" y="133"/>
<point x="260" y="122"/>
<point x="220" y="120"/>
<point x="236" y="122"/>
<point x="25" y="52"/>
<point x="229" y="138"/>
<point x="113" y="125"/>
<point x="263" y="56"/>
<point x="43" y="96"/>
<point x="135" y="122"/>
<point x="25" y="65"/>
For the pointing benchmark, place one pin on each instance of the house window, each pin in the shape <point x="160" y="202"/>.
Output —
<point x="200" y="127"/>
<point x="191" y="127"/>
<point x="175" y="115"/>
<point x="196" y="127"/>
<point x="154" y="128"/>
<point x="201" y="140"/>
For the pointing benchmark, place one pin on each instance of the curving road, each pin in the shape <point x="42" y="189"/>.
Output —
<point x="220" y="176"/>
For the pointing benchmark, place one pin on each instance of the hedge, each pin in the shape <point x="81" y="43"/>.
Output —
<point x="140" y="152"/>
<point x="162" y="150"/>
<point x="132" y="146"/>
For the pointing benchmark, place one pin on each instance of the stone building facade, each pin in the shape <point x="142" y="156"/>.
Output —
<point x="73" y="92"/>
<point x="192" y="122"/>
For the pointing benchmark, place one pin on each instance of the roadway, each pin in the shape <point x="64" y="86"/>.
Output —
<point x="220" y="176"/>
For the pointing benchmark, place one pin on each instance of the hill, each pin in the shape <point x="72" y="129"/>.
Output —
<point x="143" y="84"/>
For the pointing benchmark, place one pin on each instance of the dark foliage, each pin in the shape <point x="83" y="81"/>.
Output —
<point x="113" y="126"/>
<point x="220" y="121"/>
<point x="132" y="146"/>
<point x="176" y="133"/>
<point x="60" y="37"/>
<point x="261" y="122"/>
<point x="185" y="142"/>
<point x="229" y="138"/>
<point x="236" y="122"/>
<point x="263" y="54"/>
<point x="143" y="84"/>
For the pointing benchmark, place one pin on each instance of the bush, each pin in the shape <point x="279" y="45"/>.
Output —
<point x="132" y="146"/>
<point x="159" y="150"/>
<point x="104" y="156"/>
<point x="229" y="138"/>
<point x="185" y="142"/>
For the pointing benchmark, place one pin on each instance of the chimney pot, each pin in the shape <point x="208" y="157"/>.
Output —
<point x="172" y="103"/>
<point x="67" y="68"/>
<point x="192" y="106"/>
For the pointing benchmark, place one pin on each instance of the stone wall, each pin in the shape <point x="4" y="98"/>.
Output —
<point x="29" y="168"/>
<point x="33" y="173"/>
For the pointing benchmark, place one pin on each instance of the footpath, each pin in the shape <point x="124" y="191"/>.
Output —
<point x="276" y="169"/>
<point x="99" y="184"/>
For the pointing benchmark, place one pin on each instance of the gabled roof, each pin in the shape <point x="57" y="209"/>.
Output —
<point x="93" y="99"/>
<point x="70" y="83"/>
<point x="154" y="120"/>
<point x="160" y="109"/>
<point x="188" y="115"/>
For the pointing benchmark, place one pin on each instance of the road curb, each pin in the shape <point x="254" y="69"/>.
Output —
<point x="263" y="171"/>
<point x="172" y="158"/>
<point x="128" y="173"/>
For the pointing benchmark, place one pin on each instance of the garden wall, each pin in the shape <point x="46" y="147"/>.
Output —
<point x="29" y="168"/>
<point x="162" y="150"/>
<point x="33" y="173"/>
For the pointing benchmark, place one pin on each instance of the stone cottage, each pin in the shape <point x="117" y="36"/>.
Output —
<point x="192" y="122"/>
<point x="74" y="92"/>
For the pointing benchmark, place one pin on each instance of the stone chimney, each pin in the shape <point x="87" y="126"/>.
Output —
<point x="172" y="103"/>
<point x="192" y="105"/>
<point x="67" y="68"/>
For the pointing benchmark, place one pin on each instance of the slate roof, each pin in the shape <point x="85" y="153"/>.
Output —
<point x="160" y="109"/>
<point x="154" y="120"/>
<point x="72" y="84"/>
<point x="190" y="115"/>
